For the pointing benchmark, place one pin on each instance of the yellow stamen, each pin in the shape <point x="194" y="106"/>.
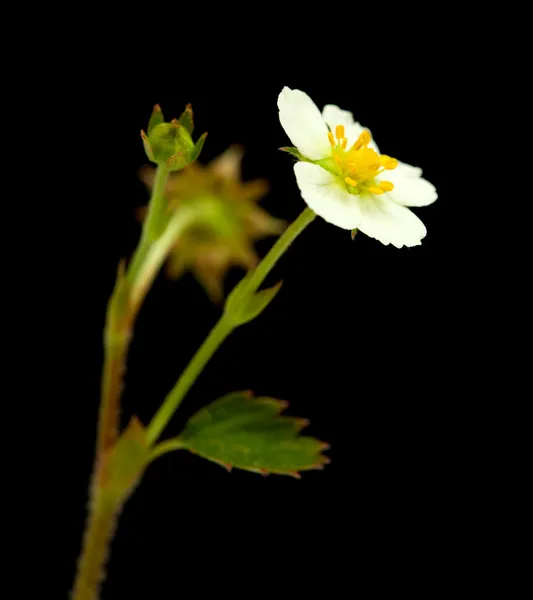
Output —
<point x="375" y="190"/>
<point x="388" y="162"/>
<point x="363" y="140"/>
<point x="360" y="165"/>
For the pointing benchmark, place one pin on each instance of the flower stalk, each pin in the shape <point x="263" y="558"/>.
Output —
<point x="225" y="325"/>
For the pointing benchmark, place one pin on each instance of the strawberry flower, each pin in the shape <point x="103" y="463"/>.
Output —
<point x="345" y="179"/>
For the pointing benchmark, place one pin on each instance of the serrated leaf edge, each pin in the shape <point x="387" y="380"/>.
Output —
<point x="280" y="405"/>
<point x="318" y="466"/>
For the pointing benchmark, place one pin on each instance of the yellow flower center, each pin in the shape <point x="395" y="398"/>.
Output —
<point x="359" y="165"/>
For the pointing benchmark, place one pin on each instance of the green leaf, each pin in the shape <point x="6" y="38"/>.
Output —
<point x="126" y="462"/>
<point x="186" y="119"/>
<point x="294" y="151"/>
<point x="156" y="118"/>
<point x="249" y="433"/>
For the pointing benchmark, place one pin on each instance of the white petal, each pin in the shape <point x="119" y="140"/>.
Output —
<point x="390" y="223"/>
<point x="407" y="170"/>
<point x="409" y="190"/>
<point x="333" y="115"/>
<point x="326" y="195"/>
<point x="303" y="123"/>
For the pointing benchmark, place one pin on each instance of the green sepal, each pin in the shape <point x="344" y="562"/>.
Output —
<point x="294" y="152"/>
<point x="248" y="433"/>
<point x="186" y="119"/>
<point x="198" y="147"/>
<point x="156" y="118"/>
<point x="354" y="233"/>
<point x="147" y="147"/>
<point x="165" y="141"/>
<point x="177" y="162"/>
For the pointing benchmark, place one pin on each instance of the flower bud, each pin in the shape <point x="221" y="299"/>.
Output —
<point x="171" y="144"/>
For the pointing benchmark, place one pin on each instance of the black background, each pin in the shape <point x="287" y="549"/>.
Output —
<point x="362" y="338"/>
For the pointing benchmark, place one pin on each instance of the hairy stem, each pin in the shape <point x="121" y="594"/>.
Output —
<point x="98" y="534"/>
<point x="128" y="294"/>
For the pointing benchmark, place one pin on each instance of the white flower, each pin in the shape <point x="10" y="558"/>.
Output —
<point x="345" y="180"/>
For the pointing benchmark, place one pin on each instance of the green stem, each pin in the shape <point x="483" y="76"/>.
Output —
<point x="153" y="218"/>
<point x="121" y="315"/>
<point x="279" y="248"/>
<point x="166" y="446"/>
<point x="156" y="254"/>
<point x="222" y="330"/>
<point x="217" y="335"/>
